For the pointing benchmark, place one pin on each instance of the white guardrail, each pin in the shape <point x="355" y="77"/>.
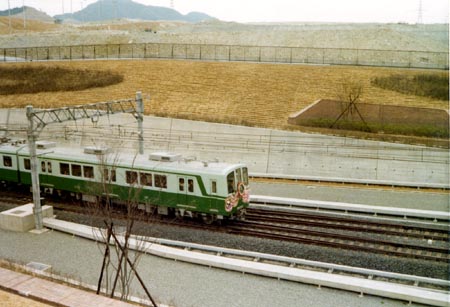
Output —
<point x="392" y="183"/>
<point x="182" y="252"/>
<point x="346" y="207"/>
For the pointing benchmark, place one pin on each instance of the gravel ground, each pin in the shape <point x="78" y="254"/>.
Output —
<point x="176" y="283"/>
<point x="296" y="250"/>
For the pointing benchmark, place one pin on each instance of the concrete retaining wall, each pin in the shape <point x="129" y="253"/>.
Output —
<point x="381" y="116"/>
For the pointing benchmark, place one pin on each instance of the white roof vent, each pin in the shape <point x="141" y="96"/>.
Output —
<point x="45" y="144"/>
<point x="96" y="150"/>
<point x="164" y="157"/>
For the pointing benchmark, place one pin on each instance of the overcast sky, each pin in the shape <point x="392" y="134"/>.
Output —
<point x="433" y="11"/>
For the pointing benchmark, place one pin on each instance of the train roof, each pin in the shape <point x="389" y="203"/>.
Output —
<point x="173" y="163"/>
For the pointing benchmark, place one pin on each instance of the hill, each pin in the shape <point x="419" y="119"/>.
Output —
<point x="116" y="9"/>
<point x="29" y="12"/>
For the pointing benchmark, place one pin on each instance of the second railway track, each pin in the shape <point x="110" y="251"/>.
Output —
<point x="375" y="237"/>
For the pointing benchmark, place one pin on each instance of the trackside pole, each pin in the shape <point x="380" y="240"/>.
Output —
<point x="140" y="119"/>
<point x="34" y="171"/>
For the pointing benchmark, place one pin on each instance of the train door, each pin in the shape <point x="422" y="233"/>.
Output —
<point x="44" y="178"/>
<point x="186" y="192"/>
<point x="182" y="191"/>
<point x="46" y="171"/>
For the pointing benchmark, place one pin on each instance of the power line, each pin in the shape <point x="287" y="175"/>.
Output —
<point x="420" y="13"/>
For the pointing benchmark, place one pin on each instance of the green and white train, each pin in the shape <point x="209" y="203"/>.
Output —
<point x="161" y="182"/>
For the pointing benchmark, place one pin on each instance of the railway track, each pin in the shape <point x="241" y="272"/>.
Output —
<point x="374" y="237"/>
<point x="344" y="241"/>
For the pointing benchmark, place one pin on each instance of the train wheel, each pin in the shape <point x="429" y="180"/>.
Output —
<point x="208" y="219"/>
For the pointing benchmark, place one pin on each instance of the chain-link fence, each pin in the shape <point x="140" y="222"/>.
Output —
<point x="334" y="56"/>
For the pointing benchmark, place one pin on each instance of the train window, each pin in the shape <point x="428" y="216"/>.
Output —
<point x="230" y="182"/>
<point x="88" y="171"/>
<point x="43" y="166"/>
<point x="191" y="185"/>
<point x="49" y="167"/>
<point x="76" y="170"/>
<point x="245" y="175"/>
<point x="26" y="164"/>
<point x="161" y="181"/>
<point x="64" y="168"/>
<point x="181" y="184"/>
<point x="146" y="179"/>
<point x="238" y="175"/>
<point x="7" y="161"/>
<point x="131" y="177"/>
<point x="213" y="187"/>
<point x="109" y="175"/>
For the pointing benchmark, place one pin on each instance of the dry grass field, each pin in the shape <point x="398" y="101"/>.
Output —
<point x="31" y="26"/>
<point x="254" y="94"/>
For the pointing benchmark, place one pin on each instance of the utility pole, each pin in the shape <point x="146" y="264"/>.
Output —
<point x="39" y="119"/>
<point x="420" y="13"/>
<point x="24" y="15"/>
<point x="9" y="15"/>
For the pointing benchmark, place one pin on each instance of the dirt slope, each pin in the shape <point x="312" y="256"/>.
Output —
<point x="250" y="93"/>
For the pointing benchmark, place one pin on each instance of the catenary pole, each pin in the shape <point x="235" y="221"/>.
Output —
<point x="34" y="170"/>
<point x="140" y="119"/>
<point x="38" y="119"/>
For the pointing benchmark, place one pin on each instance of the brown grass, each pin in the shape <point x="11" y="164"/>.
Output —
<point x="252" y="93"/>
<point x="31" y="25"/>
<point x="44" y="78"/>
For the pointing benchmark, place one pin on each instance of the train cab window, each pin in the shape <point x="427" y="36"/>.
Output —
<point x="131" y="177"/>
<point x="88" y="171"/>
<point x="181" y="184"/>
<point x="26" y="164"/>
<point x="245" y="175"/>
<point x="43" y="168"/>
<point x="161" y="181"/>
<point x="238" y="175"/>
<point x="7" y="161"/>
<point x="213" y="187"/>
<point x="64" y="168"/>
<point x="49" y="167"/>
<point x="191" y="185"/>
<point x="146" y="179"/>
<point x="230" y="182"/>
<point x="76" y="170"/>
<point x="113" y="175"/>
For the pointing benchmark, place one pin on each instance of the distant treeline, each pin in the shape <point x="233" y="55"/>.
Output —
<point x="14" y="11"/>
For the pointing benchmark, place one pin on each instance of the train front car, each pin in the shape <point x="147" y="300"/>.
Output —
<point x="237" y="196"/>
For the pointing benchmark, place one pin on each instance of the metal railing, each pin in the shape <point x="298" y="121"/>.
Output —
<point x="208" y="52"/>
